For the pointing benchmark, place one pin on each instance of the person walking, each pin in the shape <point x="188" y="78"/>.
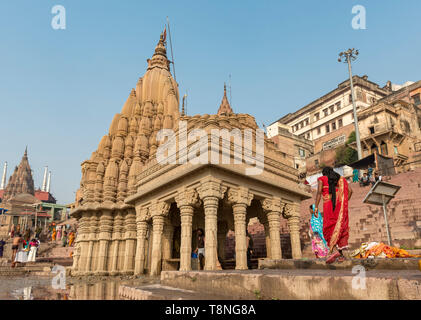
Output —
<point x="336" y="193"/>
<point x="33" y="245"/>
<point x="17" y="240"/>
<point x="64" y="239"/>
<point x="59" y="232"/>
<point x="71" y="238"/>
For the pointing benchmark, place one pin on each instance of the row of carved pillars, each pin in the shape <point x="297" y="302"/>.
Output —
<point x="132" y="229"/>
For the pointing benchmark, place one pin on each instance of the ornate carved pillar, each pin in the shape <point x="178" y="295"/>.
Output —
<point x="292" y="213"/>
<point x="92" y="238"/>
<point x="79" y="265"/>
<point x="105" y="232"/>
<point x="142" y="229"/>
<point x="272" y="208"/>
<point x="240" y="198"/>
<point x="130" y="238"/>
<point x="186" y="200"/>
<point x="168" y="234"/>
<point x="210" y="191"/>
<point x="158" y="211"/>
<point x="116" y="236"/>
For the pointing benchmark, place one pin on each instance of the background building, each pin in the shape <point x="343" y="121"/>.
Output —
<point x="328" y="121"/>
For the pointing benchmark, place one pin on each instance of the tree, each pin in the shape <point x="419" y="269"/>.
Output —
<point x="345" y="154"/>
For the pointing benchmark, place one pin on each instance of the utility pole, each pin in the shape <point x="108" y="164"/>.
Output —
<point x="348" y="56"/>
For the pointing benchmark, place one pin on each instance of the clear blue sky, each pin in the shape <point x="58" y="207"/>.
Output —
<point x="59" y="89"/>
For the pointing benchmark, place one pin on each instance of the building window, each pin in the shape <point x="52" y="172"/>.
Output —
<point x="297" y="166"/>
<point x="327" y="128"/>
<point x="325" y="111"/>
<point x="383" y="148"/>
<point x="340" y="124"/>
<point x="316" y="117"/>
<point x="350" y="98"/>
<point x="301" y="152"/>
<point x="338" y="105"/>
<point x="332" y="109"/>
<point x="319" y="131"/>
<point x="371" y="130"/>
<point x="308" y="136"/>
<point x="333" y="126"/>
<point x="316" y="163"/>
<point x="417" y="99"/>
<point x="395" y="149"/>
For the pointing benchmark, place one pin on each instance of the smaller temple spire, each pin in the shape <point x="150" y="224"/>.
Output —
<point x="225" y="107"/>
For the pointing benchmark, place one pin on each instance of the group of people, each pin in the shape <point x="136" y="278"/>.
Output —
<point x="369" y="177"/>
<point x="23" y="249"/>
<point x="62" y="233"/>
<point x="329" y="232"/>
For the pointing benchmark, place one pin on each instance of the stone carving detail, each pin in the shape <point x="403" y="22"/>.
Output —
<point x="159" y="208"/>
<point x="240" y="195"/>
<point x="211" y="188"/>
<point x="187" y="197"/>
<point x="271" y="204"/>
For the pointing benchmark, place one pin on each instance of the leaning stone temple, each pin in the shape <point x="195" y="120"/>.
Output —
<point x="138" y="214"/>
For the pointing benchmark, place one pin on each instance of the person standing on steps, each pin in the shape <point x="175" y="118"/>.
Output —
<point x="200" y="250"/>
<point x="336" y="194"/>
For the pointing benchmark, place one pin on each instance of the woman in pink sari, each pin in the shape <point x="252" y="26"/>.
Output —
<point x="336" y="194"/>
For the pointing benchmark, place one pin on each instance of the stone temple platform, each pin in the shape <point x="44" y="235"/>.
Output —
<point x="389" y="279"/>
<point x="319" y="264"/>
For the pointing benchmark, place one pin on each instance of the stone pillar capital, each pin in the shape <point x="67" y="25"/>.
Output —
<point x="271" y="205"/>
<point x="187" y="197"/>
<point x="240" y="195"/>
<point x="159" y="208"/>
<point x="211" y="187"/>
<point x="142" y="214"/>
<point x="290" y="210"/>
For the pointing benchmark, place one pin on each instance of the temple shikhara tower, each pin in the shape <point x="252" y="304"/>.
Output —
<point x="21" y="181"/>
<point x="138" y="215"/>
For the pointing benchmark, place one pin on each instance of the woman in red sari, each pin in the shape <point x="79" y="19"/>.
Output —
<point x="336" y="193"/>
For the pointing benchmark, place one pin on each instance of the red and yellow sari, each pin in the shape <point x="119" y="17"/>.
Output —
<point x="336" y="223"/>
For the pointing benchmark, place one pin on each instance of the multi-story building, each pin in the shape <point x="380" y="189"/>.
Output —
<point x="329" y="120"/>
<point x="295" y="147"/>
<point x="392" y="128"/>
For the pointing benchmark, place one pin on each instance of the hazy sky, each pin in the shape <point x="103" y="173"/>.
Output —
<point x="59" y="89"/>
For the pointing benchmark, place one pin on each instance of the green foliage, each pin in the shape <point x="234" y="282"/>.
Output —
<point x="345" y="154"/>
<point x="351" y="138"/>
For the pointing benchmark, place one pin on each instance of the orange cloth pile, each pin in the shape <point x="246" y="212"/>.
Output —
<point x="380" y="250"/>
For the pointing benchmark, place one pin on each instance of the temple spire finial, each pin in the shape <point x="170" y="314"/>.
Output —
<point x="225" y="107"/>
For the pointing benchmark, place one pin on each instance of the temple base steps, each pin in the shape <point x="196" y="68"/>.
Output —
<point x="296" y="284"/>
<point x="162" y="292"/>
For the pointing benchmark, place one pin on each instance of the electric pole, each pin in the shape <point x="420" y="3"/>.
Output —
<point x="347" y="57"/>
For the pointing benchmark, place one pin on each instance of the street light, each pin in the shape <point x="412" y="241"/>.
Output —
<point x="347" y="57"/>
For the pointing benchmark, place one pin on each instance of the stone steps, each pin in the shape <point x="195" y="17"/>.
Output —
<point x="160" y="292"/>
<point x="320" y="264"/>
<point x="298" y="284"/>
